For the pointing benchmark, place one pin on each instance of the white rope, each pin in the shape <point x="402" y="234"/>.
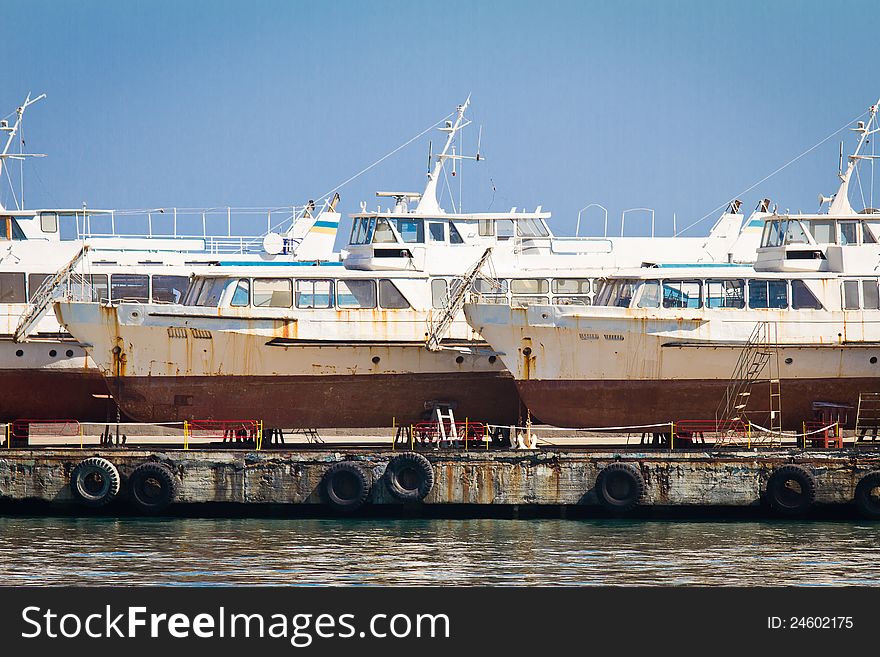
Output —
<point x="767" y="177"/>
<point x="790" y="434"/>
<point x="546" y="428"/>
<point x="383" y="158"/>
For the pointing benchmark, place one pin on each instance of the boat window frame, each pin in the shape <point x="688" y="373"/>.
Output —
<point x="725" y="297"/>
<point x="347" y="282"/>
<point x="298" y="294"/>
<point x="256" y="282"/>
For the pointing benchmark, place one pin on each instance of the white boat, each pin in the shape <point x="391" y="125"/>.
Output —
<point x="377" y="342"/>
<point x="148" y="255"/>
<point x="772" y="343"/>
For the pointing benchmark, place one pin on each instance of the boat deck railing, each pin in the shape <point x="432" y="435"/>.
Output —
<point x="218" y="229"/>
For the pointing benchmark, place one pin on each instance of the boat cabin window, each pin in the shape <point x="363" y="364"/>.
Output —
<point x="356" y="294"/>
<point x="411" y="231"/>
<point x="529" y="286"/>
<point x="802" y="297"/>
<point x="314" y="293"/>
<point x="870" y="297"/>
<point x="681" y="294"/>
<point x="390" y="297"/>
<point x="486" y="228"/>
<point x="786" y="231"/>
<point x="12" y="288"/>
<point x="383" y="233"/>
<point x="649" y="295"/>
<point x="10" y="230"/>
<point x="531" y="228"/>
<point x="504" y="228"/>
<point x="572" y="291"/>
<point x="272" y="293"/>
<point x="850" y="295"/>
<point x="490" y="286"/>
<point x="768" y="294"/>
<point x="34" y="282"/>
<point x="823" y="232"/>
<point x="241" y="293"/>
<point x="360" y="230"/>
<point x="726" y="294"/>
<point x="848" y="231"/>
<point x="92" y="287"/>
<point x="437" y="231"/>
<point x="48" y="222"/>
<point x="169" y="289"/>
<point x="211" y="291"/>
<point x="438" y="293"/>
<point x="454" y="236"/>
<point x="868" y="234"/>
<point x="131" y="287"/>
<point x="617" y="293"/>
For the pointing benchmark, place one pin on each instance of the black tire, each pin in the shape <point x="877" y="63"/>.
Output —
<point x="867" y="496"/>
<point x="620" y="487"/>
<point x="346" y="486"/>
<point x="791" y="490"/>
<point x="409" y="477"/>
<point x="152" y="488"/>
<point x="95" y="481"/>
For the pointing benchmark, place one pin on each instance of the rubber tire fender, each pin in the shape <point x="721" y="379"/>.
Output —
<point x="110" y="481"/>
<point x="346" y="475"/>
<point x="409" y="477"/>
<point x="868" y="507"/>
<point x="162" y="489"/>
<point x="614" y="477"/>
<point x="783" y="499"/>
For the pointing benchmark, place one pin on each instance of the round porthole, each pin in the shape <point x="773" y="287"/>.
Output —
<point x="459" y="359"/>
<point x="135" y="314"/>
<point x="789" y="361"/>
<point x="492" y="359"/>
<point x="376" y="360"/>
<point x="19" y="353"/>
<point x="69" y="353"/>
<point x="52" y="353"/>
<point x="873" y="360"/>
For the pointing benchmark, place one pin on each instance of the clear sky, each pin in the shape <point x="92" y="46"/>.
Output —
<point x="673" y="105"/>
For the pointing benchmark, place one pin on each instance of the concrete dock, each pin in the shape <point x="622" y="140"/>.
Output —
<point x="554" y="481"/>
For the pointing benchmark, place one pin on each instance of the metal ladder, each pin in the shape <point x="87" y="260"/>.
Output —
<point x="759" y="351"/>
<point x="441" y="427"/>
<point x="437" y="329"/>
<point x="47" y="293"/>
<point x="868" y="415"/>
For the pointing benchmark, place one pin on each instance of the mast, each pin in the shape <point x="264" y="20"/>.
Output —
<point x="428" y="203"/>
<point x="12" y="131"/>
<point x="840" y="202"/>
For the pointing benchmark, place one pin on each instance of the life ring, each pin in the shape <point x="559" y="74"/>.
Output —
<point x="409" y="477"/>
<point x="867" y="496"/>
<point x="94" y="481"/>
<point x="152" y="487"/>
<point x="620" y="487"/>
<point x="346" y="486"/>
<point x="791" y="490"/>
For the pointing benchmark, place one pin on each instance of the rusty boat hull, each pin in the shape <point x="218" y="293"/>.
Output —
<point x="55" y="394"/>
<point x="573" y="403"/>
<point x="315" y="402"/>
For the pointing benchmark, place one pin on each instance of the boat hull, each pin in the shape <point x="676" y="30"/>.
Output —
<point x="319" y="401"/>
<point x="582" y="403"/>
<point x="55" y="394"/>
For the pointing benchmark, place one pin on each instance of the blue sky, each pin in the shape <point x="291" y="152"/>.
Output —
<point x="675" y="106"/>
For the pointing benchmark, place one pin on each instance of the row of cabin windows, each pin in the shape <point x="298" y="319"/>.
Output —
<point x="861" y="294"/>
<point x="722" y="293"/>
<point x="159" y="288"/>
<point x="301" y="293"/>
<point x="373" y="230"/>
<point x="824" y="231"/>
<point x="520" y="291"/>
